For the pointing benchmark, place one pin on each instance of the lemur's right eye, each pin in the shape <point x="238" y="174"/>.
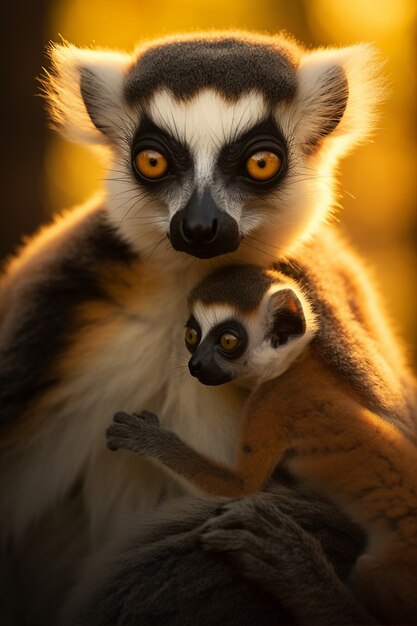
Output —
<point x="263" y="165"/>
<point x="231" y="339"/>
<point x="192" y="338"/>
<point x="229" y="342"/>
<point x="151" y="164"/>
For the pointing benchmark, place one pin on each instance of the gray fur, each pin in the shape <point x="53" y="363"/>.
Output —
<point x="350" y="344"/>
<point x="232" y="64"/>
<point x="93" y="93"/>
<point x="157" y="580"/>
<point x="46" y="560"/>
<point x="160" y="574"/>
<point x="263" y="542"/>
<point x="242" y="287"/>
<point x="142" y="433"/>
<point x="333" y="96"/>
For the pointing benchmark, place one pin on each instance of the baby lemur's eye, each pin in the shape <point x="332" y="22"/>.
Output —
<point x="229" y="342"/>
<point x="263" y="165"/>
<point x="231" y="339"/>
<point x="151" y="164"/>
<point x="192" y="338"/>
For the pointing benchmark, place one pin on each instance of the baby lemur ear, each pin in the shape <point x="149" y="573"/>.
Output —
<point x="288" y="319"/>
<point x="338" y="92"/>
<point x="84" y="93"/>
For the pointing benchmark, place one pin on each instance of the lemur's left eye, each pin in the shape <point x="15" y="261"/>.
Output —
<point x="192" y="338"/>
<point x="263" y="165"/>
<point x="229" y="342"/>
<point x="151" y="164"/>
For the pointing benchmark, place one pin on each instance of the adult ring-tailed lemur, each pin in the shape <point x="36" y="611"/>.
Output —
<point x="220" y="149"/>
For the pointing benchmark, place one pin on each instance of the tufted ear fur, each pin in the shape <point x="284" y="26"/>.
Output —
<point x="288" y="317"/>
<point x="338" y="93"/>
<point x="84" y="93"/>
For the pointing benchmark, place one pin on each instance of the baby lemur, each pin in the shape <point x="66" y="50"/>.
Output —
<point x="257" y="327"/>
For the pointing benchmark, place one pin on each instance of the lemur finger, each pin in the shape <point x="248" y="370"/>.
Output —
<point x="121" y="431"/>
<point x="244" y="541"/>
<point x="149" y="417"/>
<point x="226" y="540"/>
<point x="113" y="445"/>
<point x="121" y="417"/>
<point x="117" y="444"/>
<point x="237" y="514"/>
<point x="251" y="566"/>
<point x="135" y="424"/>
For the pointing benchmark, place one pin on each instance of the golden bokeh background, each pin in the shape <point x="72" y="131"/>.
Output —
<point x="378" y="181"/>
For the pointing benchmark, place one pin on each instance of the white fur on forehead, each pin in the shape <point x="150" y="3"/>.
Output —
<point x="206" y="122"/>
<point x="210" y="315"/>
<point x="104" y="73"/>
<point x="207" y="117"/>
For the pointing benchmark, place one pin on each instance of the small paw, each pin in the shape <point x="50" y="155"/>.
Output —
<point x="246" y="552"/>
<point x="131" y="430"/>
<point x="237" y="513"/>
<point x="226" y="540"/>
<point x="149" y="418"/>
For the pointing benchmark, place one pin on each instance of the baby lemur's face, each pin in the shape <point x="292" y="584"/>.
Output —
<point x="246" y="324"/>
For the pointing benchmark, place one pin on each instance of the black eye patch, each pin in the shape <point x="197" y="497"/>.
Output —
<point x="232" y="328"/>
<point x="152" y="137"/>
<point x="264" y="137"/>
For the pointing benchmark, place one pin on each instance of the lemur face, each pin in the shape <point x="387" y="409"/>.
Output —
<point x="246" y="324"/>
<point x="208" y="174"/>
<point x="217" y="142"/>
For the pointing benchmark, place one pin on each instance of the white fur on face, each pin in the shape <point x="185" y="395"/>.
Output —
<point x="206" y="124"/>
<point x="261" y="361"/>
<point x="270" y="225"/>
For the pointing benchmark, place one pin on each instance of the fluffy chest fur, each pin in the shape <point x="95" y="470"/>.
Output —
<point x="128" y="353"/>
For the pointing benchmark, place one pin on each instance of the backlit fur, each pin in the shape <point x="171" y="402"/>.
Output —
<point x="206" y="121"/>
<point x="91" y="309"/>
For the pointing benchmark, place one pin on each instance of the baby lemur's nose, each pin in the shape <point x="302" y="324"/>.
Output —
<point x="194" y="366"/>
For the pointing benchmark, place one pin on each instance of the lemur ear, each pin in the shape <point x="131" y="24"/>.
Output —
<point x="338" y="92"/>
<point x="84" y="93"/>
<point x="288" y="317"/>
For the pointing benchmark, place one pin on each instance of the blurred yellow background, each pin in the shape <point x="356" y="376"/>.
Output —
<point x="378" y="181"/>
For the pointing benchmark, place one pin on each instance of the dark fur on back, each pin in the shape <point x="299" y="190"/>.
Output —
<point x="232" y="64"/>
<point x="161" y="576"/>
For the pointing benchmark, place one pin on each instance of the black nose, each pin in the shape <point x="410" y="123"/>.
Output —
<point x="194" y="366"/>
<point x="202" y="229"/>
<point x="198" y="231"/>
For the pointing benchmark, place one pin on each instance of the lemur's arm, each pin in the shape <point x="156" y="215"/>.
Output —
<point x="142" y="433"/>
<point x="140" y="572"/>
<point x="268" y="546"/>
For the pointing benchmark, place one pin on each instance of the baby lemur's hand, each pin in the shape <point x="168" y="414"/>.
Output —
<point x="133" y="431"/>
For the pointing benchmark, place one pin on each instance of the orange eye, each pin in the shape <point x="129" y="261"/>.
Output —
<point x="263" y="165"/>
<point x="151" y="164"/>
